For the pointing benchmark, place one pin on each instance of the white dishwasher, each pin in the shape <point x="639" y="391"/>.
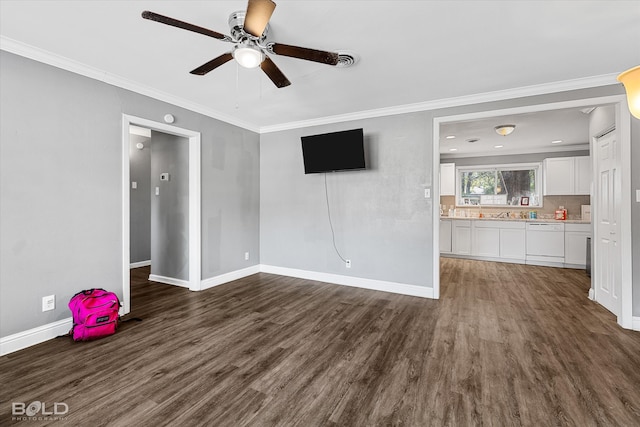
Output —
<point x="545" y="243"/>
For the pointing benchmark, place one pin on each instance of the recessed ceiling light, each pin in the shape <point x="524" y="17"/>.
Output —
<point x="498" y="146"/>
<point x="450" y="136"/>
<point x="557" y="141"/>
<point x="453" y="149"/>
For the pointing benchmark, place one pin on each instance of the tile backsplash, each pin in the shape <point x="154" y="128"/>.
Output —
<point x="572" y="204"/>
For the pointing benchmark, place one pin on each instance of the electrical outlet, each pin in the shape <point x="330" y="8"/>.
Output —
<point x="48" y="303"/>
<point x="348" y="263"/>
<point x="246" y="256"/>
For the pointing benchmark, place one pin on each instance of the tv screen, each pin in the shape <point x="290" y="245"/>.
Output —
<point x="335" y="151"/>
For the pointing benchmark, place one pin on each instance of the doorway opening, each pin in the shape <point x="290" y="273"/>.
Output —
<point x="622" y="121"/>
<point x="194" y="202"/>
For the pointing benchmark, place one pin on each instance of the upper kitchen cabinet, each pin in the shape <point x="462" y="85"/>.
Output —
<point x="447" y="179"/>
<point x="567" y="176"/>
<point x="582" y="180"/>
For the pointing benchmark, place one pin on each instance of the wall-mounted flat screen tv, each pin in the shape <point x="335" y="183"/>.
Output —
<point x="335" y="151"/>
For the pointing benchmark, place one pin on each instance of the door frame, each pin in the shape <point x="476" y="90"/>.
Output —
<point x="623" y="124"/>
<point x="195" y="256"/>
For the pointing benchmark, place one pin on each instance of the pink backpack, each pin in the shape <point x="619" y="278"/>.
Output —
<point x="95" y="314"/>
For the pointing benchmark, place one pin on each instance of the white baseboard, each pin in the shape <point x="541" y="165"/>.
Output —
<point x="140" y="264"/>
<point x="169" y="281"/>
<point x="358" y="282"/>
<point x="34" y="336"/>
<point x="635" y="323"/>
<point x="229" y="277"/>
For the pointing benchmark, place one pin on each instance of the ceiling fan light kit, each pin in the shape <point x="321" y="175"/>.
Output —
<point x="248" y="56"/>
<point x="249" y="32"/>
<point x="505" y="130"/>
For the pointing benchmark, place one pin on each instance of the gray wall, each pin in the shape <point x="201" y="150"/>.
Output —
<point x="380" y="216"/>
<point x="170" y="208"/>
<point x="140" y="199"/>
<point x="60" y="192"/>
<point x="382" y="222"/>
<point x="61" y="188"/>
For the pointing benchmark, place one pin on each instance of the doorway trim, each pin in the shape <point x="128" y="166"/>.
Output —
<point x="623" y="124"/>
<point x="195" y="257"/>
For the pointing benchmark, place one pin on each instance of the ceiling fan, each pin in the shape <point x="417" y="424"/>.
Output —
<point x="249" y="32"/>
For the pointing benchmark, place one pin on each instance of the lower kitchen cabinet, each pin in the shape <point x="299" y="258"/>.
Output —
<point x="575" y="245"/>
<point x="445" y="236"/>
<point x="461" y="237"/>
<point x="508" y="241"/>
<point x="513" y="241"/>
<point x="486" y="239"/>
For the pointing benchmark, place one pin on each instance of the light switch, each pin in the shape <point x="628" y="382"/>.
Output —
<point x="427" y="193"/>
<point x="157" y="191"/>
<point x="638" y="196"/>
<point x="134" y="185"/>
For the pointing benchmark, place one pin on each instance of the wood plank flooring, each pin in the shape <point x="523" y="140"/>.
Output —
<point x="505" y="345"/>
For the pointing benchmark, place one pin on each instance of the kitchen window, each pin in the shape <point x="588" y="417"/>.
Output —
<point x="499" y="185"/>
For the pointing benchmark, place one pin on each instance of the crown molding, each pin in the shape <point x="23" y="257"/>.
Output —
<point x="58" y="61"/>
<point x="41" y="55"/>
<point x="501" y="95"/>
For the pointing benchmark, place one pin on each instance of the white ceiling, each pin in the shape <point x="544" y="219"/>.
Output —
<point x="546" y="131"/>
<point x="411" y="52"/>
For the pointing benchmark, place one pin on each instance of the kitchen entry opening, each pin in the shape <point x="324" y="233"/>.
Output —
<point x="503" y="185"/>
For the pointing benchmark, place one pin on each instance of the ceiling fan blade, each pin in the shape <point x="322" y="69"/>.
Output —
<point x="184" y="25"/>
<point x="213" y="64"/>
<point x="258" y="14"/>
<point x="330" y="58"/>
<point x="274" y="73"/>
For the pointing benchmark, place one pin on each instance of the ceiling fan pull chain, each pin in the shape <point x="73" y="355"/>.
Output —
<point x="237" y="86"/>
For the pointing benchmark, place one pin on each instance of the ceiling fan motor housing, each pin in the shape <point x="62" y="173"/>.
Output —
<point x="236" y="27"/>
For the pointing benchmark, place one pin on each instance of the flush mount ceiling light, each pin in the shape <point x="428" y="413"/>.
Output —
<point x="248" y="56"/>
<point x="504" y="130"/>
<point x="631" y="81"/>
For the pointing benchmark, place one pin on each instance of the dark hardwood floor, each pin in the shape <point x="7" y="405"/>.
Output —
<point x="505" y="345"/>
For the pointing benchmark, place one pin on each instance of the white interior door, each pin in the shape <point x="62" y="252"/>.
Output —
<point x="607" y="268"/>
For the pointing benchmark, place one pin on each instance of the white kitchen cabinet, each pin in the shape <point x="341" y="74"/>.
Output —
<point x="513" y="241"/>
<point x="564" y="176"/>
<point x="486" y="239"/>
<point x="558" y="176"/>
<point x="575" y="244"/>
<point x="582" y="176"/>
<point x="447" y="179"/>
<point x="461" y="237"/>
<point x="445" y="236"/>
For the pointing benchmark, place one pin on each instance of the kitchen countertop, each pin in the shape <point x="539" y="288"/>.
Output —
<point x="547" y="220"/>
